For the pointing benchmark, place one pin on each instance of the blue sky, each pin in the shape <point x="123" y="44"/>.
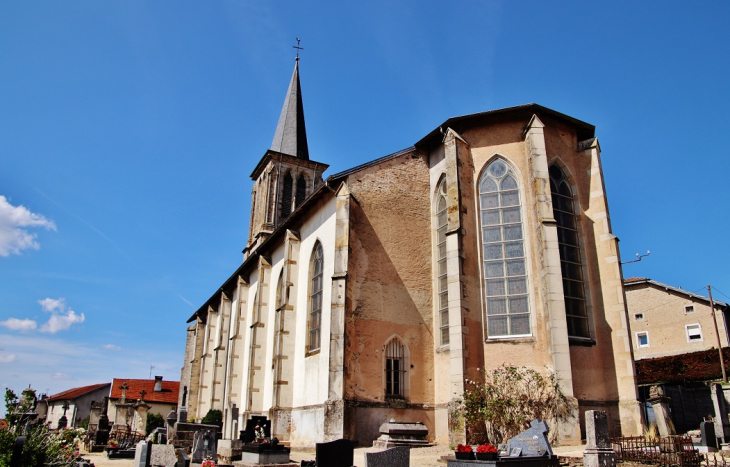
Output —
<point x="128" y="131"/>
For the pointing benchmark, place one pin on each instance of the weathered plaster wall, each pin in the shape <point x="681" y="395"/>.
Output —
<point x="665" y="320"/>
<point x="390" y="290"/>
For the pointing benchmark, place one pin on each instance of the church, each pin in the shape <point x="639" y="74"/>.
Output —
<point x="376" y="292"/>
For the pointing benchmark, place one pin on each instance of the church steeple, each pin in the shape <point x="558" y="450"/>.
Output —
<point x="291" y="133"/>
<point x="285" y="177"/>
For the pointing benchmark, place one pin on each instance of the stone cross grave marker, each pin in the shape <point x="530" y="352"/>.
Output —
<point x="204" y="445"/>
<point x="395" y="457"/>
<point x="532" y="442"/>
<point x="338" y="453"/>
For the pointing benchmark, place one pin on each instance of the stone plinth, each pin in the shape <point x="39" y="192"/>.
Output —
<point x="598" y="452"/>
<point x="402" y="434"/>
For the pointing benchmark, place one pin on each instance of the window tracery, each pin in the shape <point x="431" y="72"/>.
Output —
<point x="570" y="257"/>
<point x="315" y="297"/>
<point x="505" y="274"/>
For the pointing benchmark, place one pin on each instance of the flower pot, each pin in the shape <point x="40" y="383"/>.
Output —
<point x="467" y="456"/>
<point x="486" y="456"/>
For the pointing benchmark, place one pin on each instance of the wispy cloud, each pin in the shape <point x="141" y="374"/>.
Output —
<point x="111" y="347"/>
<point x="7" y="357"/>
<point x="22" y="325"/>
<point x="14" y="222"/>
<point x="87" y="223"/>
<point x="60" y="376"/>
<point x="61" y="317"/>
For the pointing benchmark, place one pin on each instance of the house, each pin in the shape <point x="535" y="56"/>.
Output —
<point x="667" y="320"/>
<point x="153" y="395"/>
<point x="375" y="293"/>
<point x="77" y="402"/>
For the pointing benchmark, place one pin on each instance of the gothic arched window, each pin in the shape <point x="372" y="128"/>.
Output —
<point x="441" y="277"/>
<point x="301" y="191"/>
<point x="316" y="268"/>
<point x="395" y="369"/>
<point x="570" y="260"/>
<point x="505" y="273"/>
<point x="286" y="193"/>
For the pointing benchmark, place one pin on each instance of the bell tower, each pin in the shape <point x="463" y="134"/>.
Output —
<point x="285" y="176"/>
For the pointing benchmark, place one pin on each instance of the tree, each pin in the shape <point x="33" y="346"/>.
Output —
<point x="212" y="417"/>
<point x="154" y="421"/>
<point x="42" y="447"/>
<point x="503" y="402"/>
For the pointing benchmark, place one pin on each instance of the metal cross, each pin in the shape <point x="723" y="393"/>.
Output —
<point x="65" y="407"/>
<point x="297" y="47"/>
<point x="142" y="394"/>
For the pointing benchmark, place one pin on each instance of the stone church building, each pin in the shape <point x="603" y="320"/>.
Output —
<point x="374" y="293"/>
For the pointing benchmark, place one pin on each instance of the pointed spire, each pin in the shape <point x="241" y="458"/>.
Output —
<point x="291" y="134"/>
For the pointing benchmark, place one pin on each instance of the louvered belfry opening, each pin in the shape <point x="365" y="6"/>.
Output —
<point x="286" y="196"/>
<point x="301" y="191"/>
<point x="394" y="369"/>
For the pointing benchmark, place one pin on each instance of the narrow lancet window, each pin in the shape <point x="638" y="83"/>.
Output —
<point x="570" y="258"/>
<point x="271" y="211"/>
<point x="442" y="282"/>
<point x="505" y="274"/>
<point x="315" y="297"/>
<point x="286" y="195"/>
<point x="395" y="369"/>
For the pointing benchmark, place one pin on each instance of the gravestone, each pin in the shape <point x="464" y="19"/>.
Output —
<point x="204" y="445"/>
<point x="532" y="442"/>
<point x="248" y="435"/>
<point x="182" y="415"/>
<point x="338" y="453"/>
<point x="163" y="455"/>
<point x="183" y="460"/>
<point x="395" y="457"/>
<point x="598" y="452"/>
<point x="143" y="454"/>
<point x="308" y="464"/>
<point x="708" y="441"/>
<point x="16" y="458"/>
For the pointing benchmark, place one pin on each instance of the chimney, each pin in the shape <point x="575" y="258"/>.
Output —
<point x="158" y="383"/>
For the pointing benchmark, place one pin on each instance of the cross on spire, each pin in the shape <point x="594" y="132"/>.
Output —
<point x="297" y="47"/>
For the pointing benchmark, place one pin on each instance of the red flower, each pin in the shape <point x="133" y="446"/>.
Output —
<point x="486" y="448"/>
<point x="464" y="448"/>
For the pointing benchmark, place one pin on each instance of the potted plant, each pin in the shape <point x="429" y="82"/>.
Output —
<point x="486" y="452"/>
<point x="208" y="463"/>
<point x="464" y="452"/>
<point x="112" y="443"/>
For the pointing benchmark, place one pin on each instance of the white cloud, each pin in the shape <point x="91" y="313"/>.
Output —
<point x="111" y="347"/>
<point x="15" y="324"/>
<point x="60" y="376"/>
<point x="61" y="318"/>
<point x="7" y="358"/>
<point x="14" y="238"/>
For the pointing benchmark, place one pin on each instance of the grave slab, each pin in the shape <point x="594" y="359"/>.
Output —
<point x="338" y="453"/>
<point x="395" y="457"/>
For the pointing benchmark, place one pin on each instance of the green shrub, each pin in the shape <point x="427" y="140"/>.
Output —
<point x="154" y="421"/>
<point x="213" y="416"/>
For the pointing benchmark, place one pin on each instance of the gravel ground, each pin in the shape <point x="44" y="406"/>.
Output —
<point x="421" y="457"/>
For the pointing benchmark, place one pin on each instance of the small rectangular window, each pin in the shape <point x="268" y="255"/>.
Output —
<point x="694" y="332"/>
<point x="639" y="316"/>
<point x="642" y="339"/>
<point x="689" y="309"/>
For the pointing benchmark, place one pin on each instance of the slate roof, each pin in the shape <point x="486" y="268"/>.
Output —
<point x="631" y="281"/>
<point x="291" y="133"/>
<point x="71" y="394"/>
<point x="168" y="395"/>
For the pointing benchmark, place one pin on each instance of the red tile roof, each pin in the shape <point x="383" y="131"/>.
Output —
<point x="636" y="279"/>
<point x="76" y="392"/>
<point x="168" y="395"/>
